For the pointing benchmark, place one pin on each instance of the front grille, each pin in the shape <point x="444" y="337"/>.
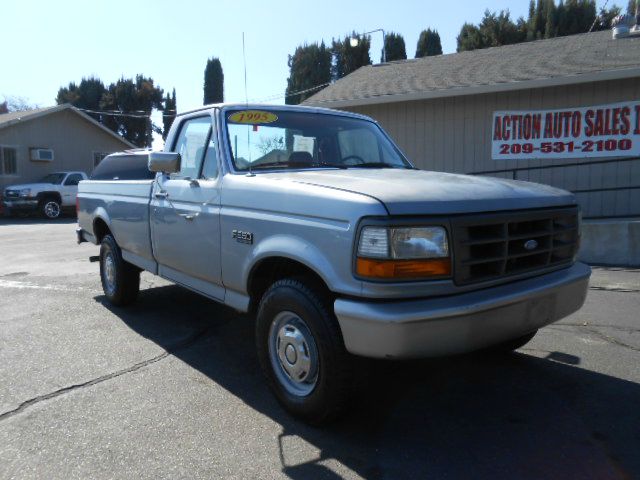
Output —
<point x="491" y="246"/>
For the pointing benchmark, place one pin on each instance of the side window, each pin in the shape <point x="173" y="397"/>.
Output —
<point x="358" y="146"/>
<point x="73" y="180"/>
<point x="210" y="169"/>
<point x="191" y="146"/>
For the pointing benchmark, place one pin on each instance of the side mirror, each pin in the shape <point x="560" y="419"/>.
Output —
<point x="165" y="162"/>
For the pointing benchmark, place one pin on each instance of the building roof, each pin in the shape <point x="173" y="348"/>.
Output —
<point x="558" y="61"/>
<point x="12" y="118"/>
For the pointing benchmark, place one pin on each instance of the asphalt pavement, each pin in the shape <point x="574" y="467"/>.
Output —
<point x="170" y="388"/>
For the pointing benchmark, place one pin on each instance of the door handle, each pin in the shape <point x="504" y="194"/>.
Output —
<point x="161" y="195"/>
<point x="188" y="216"/>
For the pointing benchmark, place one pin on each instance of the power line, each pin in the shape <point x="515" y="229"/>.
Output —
<point x="115" y="113"/>
<point x="278" y="96"/>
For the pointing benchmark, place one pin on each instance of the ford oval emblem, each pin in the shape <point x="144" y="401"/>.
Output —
<point x="530" y="245"/>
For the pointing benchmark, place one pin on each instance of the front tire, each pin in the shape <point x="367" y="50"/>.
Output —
<point x="120" y="280"/>
<point x="50" y="208"/>
<point x="301" y="351"/>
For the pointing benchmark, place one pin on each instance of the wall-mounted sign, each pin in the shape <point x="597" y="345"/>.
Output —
<point x="601" y="131"/>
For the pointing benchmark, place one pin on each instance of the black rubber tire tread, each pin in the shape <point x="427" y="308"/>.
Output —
<point x="514" y="344"/>
<point x="334" y="389"/>
<point x="127" y="275"/>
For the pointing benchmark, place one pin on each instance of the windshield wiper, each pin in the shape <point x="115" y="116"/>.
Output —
<point x="374" y="165"/>
<point x="297" y="165"/>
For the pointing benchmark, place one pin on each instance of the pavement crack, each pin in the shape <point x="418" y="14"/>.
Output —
<point x="610" y="339"/>
<point x="186" y="343"/>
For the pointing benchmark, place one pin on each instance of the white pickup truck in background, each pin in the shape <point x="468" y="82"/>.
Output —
<point x="49" y="196"/>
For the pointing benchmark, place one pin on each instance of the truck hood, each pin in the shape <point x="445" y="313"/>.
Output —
<point x="418" y="192"/>
<point x="32" y="186"/>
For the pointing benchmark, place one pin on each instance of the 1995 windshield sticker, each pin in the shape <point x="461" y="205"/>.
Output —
<point x="252" y="117"/>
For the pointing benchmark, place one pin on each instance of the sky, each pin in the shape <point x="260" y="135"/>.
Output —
<point x="45" y="44"/>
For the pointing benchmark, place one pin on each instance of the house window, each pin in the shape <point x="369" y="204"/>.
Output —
<point x="8" y="161"/>
<point x="97" y="158"/>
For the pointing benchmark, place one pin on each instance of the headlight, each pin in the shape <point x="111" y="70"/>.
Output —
<point x="25" y="192"/>
<point x="403" y="252"/>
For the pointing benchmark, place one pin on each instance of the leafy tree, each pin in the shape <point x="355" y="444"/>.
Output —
<point x="545" y="20"/>
<point x="169" y="113"/>
<point x="469" y="38"/>
<point x="13" y="103"/>
<point x="87" y="95"/>
<point x="428" y="44"/>
<point x="605" y="18"/>
<point x="137" y="98"/>
<point x="213" y="82"/>
<point x="494" y="30"/>
<point x="309" y="66"/>
<point x="347" y="58"/>
<point x="631" y="7"/>
<point x="394" y="48"/>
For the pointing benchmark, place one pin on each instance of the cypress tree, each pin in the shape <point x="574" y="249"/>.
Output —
<point x="348" y="59"/>
<point x="428" y="44"/>
<point x="169" y="113"/>
<point x="309" y="66"/>
<point x="213" y="82"/>
<point x="394" y="48"/>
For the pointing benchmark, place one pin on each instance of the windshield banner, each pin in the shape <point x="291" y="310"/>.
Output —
<point x="602" y="131"/>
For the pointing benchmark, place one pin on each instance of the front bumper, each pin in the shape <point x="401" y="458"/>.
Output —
<point x="20" y="204"/>
<point x="460" y="323"/>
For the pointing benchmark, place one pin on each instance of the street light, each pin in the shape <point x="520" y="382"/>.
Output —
<point x="353" y="41"/>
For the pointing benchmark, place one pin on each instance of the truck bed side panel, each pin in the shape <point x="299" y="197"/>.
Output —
<point x="124" y="206"/>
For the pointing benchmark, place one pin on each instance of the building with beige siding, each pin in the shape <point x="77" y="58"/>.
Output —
<point x="467" y="113"/>
<point x="36" y="142"/>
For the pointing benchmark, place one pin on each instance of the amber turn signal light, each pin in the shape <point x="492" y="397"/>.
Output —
<point x="403" y="269"/>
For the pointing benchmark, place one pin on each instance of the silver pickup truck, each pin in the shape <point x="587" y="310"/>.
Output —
<point x="314" y="221"/>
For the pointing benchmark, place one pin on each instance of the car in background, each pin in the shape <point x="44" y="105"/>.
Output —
<point x="49" y="196"/>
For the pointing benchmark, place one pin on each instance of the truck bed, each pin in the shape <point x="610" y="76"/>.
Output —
<point x="125" y="203"/>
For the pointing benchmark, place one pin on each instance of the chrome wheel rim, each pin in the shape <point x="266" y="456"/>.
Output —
<point x="293" y="354"/>
<point x="52" y="209"/>
<point x="109" y="273"/>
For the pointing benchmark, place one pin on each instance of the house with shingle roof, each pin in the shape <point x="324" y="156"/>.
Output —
<point x="34" y="143"/>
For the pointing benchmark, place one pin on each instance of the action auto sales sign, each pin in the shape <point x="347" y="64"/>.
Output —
<point x="602" y="131"/>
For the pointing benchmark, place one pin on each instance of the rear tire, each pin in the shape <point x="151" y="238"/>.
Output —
<point x="302" y="353"/>
<point x="514" y="344"/>
<point x="120" y="280"/>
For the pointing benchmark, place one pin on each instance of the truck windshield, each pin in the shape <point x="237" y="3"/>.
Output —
<point x="272" y="139"/>
<point x="55" y="178"/>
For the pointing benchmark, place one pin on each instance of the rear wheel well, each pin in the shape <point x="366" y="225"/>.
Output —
<point x="270" y="270"/>
<point x="100" y="229"/>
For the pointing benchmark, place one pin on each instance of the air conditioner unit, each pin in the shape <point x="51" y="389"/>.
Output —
<point x="41" y="154"/>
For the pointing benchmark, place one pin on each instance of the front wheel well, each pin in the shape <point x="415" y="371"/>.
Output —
<point x="270" y="270"/>
<point x="43" y="196"/>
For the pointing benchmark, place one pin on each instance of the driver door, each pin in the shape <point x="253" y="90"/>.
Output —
<point x="185" y="212"/>
<point x="70" y="189"/>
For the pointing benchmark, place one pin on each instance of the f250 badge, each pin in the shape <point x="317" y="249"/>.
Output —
<point x="242" y="237"/>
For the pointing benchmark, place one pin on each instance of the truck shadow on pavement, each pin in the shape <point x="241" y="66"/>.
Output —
<point x="476" y="416"/>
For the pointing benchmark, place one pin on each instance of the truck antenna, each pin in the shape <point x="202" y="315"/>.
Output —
<point x="246" y="102"/>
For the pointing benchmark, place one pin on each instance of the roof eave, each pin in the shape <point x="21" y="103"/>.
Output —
<point x="603" y="75"/>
